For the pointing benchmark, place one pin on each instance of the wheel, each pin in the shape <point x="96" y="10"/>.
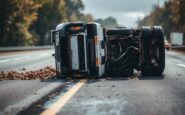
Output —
<point x="153" y="52"/>
<point x="159" y="50"/>
<point x="144" y="49"/>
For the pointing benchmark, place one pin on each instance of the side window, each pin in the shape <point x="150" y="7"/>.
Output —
<point x="100" y="36"/>
<point x="101" y="44"/>
<point x="100" y="32"/>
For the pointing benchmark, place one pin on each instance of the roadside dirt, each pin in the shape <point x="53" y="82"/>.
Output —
<point x="41" y="74"/>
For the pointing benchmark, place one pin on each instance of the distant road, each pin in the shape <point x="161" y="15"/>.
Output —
<point x="31" y="61"/>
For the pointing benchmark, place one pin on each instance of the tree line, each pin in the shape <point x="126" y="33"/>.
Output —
<point x="171" y="17"/>
<point x="28" y="22"/>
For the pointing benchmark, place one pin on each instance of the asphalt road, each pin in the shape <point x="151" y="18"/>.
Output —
<point x="134" y="95"/>
<point x="30" y="61"/>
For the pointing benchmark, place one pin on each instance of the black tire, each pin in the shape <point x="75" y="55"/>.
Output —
<point x="159" y="35"/>
<point x="144" y="48"/>
<point x="153" y="52"/>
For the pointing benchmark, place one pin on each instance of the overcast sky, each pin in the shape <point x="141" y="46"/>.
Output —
<point x="126" y="12"/>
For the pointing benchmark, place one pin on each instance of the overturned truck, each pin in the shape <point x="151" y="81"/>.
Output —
<point x="91" y="50"/>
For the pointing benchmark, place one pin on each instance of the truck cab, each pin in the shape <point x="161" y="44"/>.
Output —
<point x="79" y="49"/>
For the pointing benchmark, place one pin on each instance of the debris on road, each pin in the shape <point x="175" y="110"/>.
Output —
<point x="23" y="69"/>
<point x="41" y="74"/>
<point x="117" y="94"/>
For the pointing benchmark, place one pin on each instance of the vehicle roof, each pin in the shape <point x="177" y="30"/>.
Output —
<point x="62" y="25"/>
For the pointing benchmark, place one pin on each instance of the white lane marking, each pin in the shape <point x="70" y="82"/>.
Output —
<point x="16" y="59"/>
<point x="28" y="57"/>
<point x="2" y="61"/>
<point x="20" y="58"/>
<point x="45" y="54"/>
<point x="181" y="65"/>
<point x="23" y="57"/>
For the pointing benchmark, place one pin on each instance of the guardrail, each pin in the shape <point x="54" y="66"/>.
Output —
<point x="24" y="48"/>
<point x="178" y="48"/>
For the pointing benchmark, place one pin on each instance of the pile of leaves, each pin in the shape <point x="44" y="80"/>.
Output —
<point x="41" y="74"/>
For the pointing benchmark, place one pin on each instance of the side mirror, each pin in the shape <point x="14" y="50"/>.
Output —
<point x="52" y="36"/>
